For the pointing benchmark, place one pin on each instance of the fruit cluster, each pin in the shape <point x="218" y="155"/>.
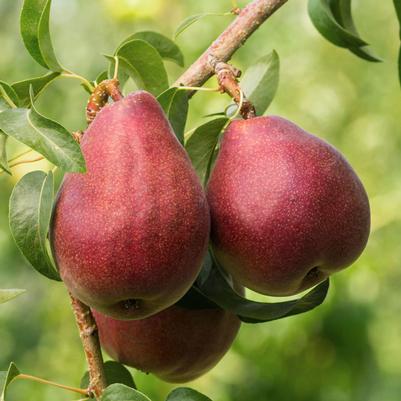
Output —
<point x="282" y="210"/>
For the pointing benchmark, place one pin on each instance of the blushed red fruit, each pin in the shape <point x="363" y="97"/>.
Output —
<point x="177" y="344"/>
<point x="130" y="234"/>
<point x="287" y="209"/>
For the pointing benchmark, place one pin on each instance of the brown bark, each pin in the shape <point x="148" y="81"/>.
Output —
<point x="227" y="78"/>
<point x="90" y="342"/>
<point x="221" y="50"/>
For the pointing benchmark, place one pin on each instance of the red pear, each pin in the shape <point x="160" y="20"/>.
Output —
<point x="130" y="234"/>
<point x="177" y="344"/>
<point x="287" y="209"/>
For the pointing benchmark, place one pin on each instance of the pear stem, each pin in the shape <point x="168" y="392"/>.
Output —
<point x="90" y="341"/>
<point x="113" y="89"/>
<point x="99" y="97"/>
<point x="116" y="66"/>
<point x="227" y="78"/>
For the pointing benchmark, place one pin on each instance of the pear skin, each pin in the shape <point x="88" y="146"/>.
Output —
<point x="177" y="344"/>
<point x="287" y="209"/>
<point x="130" y="234"/>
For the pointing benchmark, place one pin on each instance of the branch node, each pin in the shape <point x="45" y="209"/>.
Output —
<point x="88" y="331"/>
<point x="100" y="96"/>
<point x="227" y="78"/>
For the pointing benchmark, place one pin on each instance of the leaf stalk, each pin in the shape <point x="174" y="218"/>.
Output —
<point x="54" y="384"/>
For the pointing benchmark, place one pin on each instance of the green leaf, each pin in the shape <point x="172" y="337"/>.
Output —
<point x="323" y="19"/>
<point x="397" y="5"/>
<point x="144" y="65"/>
<point x="7" y="295"/>
<point x="187" y="22"/>
<point x="219" y="113"/>
<point x="365" y="53"/>
<point x="175" y="104"/>
<point x="166" y="47"/>
<point x="341" y="10"/>
<point x="201" y="145"/>
<point x="186" y="394"/>
<point x="9" y="95"/>
<point x="216" y="288"/>
<point x="8" y="98"/>
<point x="21" y="88"/>
<point x="120" y="392"/>
<point x="31" y="205"/>
<point x="3" y="153"/>
<point x="260" y="81"/>
<point x="399" y="65"/>
<point x="34" y="26"/>
<point x="6" y="378"/>
<point x="333" y="19"/>
<point x="195" y="299"/>
<point x="3" y="104"/>
<point x="101" y="77"/>
<point x="115" y="373"/>
<point x="47" y="137"/>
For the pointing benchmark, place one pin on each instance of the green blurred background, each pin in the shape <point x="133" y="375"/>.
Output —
<point x="347" y="349"/>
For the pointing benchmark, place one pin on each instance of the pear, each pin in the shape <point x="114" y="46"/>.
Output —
<point x="177" y="344"/>
<point x="130" y="234"/>
<point x="287" y="209"/>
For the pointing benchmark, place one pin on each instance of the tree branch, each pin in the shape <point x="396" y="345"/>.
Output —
<point x="90" y="342"/>
<point x="221" y="50"/>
